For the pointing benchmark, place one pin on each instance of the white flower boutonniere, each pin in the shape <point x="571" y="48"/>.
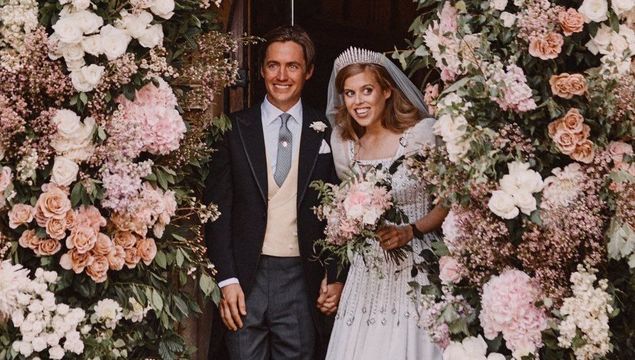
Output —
<point x="318" y="126"/>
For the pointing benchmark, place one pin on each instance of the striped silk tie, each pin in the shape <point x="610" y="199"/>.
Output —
<point x="283" y="162"/>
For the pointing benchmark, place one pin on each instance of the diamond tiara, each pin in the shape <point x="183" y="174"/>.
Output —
<point x="354" y="55"/>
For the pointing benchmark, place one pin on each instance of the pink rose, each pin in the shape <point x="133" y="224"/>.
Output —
<point x="56" y="228"/>
<point x="117" y="258"/>
<point x="29" y="240"/>
<point x="20" y="214"/>
<point x="48" y="247"/>
<point x="75" y="261"/>
<point x="98" y="269"/>
<point x="103" y="246"/>
<point x="89" y="216"/>
<point x="147" y="250"/>
<point x="82" y="239"/>
<point x="618" y="149"/>
<point x="450" y="270"/>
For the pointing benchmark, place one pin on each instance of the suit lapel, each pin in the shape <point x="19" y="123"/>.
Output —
<point x="310" y="143"/>
<point x="253" y="141"/>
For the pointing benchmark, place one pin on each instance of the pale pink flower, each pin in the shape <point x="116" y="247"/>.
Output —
<point x="82" y="239"/>
<point x="5" y="178"/>
<point x="617" y="150"/>
<point x="20" y="214"/>
<point x="450" y="271"/>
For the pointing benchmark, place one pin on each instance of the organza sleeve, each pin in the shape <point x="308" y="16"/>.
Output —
<point x="420" y="134"/>
<point x="341" y="152"/>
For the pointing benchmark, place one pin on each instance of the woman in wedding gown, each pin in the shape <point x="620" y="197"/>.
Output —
<point x="377" y="113"/>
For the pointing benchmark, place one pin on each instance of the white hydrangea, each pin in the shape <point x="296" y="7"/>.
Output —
<point x="107" y="312"/>
<point x="586" y="313"/>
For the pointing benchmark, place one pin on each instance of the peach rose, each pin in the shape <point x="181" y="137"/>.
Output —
<point x="90" y="216"/>
<point x="70" y="219"/>
<point x="147" y="250"/>
<point x="117" y="258"/>
<point x="98" y="269"/>
<point x="584" y="152"/>
<point x="566" y="86"/>
<point x="571" y="21"/>
<point x="76" y="261"/>
<point x="40" y="218"/>
<point x="125" y="239"/>
<point x="54" y="203"/>
<point x="566" y="141"/>
<point x="618" y="149"/>
<point x="103" y="246"/>
<point x="56" y="228"/>
<point x="20" y="214"/>
<point x="82" y="239"/>
<point x="29" y="240"/>
<point x="132" y="257"/>
<point x="547" y="47"/>
<point x="124" y="222"/>
<point x="449" y="270"/>
<point x="48" y="247"/>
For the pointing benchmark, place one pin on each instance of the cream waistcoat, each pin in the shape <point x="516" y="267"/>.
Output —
<point x="281" y="236"/>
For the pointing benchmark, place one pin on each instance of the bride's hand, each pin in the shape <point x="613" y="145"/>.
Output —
<point x="392" y="236"/>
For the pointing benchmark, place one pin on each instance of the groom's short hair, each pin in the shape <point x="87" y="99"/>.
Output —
<point x="289" y="33"/>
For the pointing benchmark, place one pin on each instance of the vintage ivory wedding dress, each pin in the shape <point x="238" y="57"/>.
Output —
<point x="377" y="317"/>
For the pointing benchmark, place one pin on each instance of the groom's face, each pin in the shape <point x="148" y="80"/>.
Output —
<point x="285" y="70"/>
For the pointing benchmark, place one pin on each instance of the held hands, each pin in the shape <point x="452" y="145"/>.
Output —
<point x="329" y="297"/>
<point x="232" y="306"/>
<point x="392" y="236"/>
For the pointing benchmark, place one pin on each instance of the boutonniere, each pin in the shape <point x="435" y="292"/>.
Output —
<point x="318" y="126"/>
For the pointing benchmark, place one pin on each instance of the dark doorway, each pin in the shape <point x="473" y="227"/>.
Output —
<point x="334" y="25"/>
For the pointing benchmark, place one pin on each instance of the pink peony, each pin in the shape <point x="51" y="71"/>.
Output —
<point x="508" y="307"/>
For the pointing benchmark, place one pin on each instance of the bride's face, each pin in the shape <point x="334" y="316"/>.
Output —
<point x="365" y="99"/>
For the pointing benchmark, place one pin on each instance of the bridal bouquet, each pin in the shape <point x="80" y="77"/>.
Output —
<point x="354" y="210"/>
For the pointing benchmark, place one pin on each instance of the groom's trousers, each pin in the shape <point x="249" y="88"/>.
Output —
<point x="279" y="324"/>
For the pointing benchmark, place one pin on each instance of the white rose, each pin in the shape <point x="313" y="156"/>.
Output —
<point x="56" y="352"/>
<point x="454" y="351"/>
<point x="64" y="171"/>
<point x="135" y="25"/>
<point x="508" y="19"/>
<point x="67" y="122"/>
<point x="67" y="31"/>
<point x="499" y="5"/>
<point x="86" y="78"/>
<point x="73" y="52"/>
<point x="496" y="356"/>
<point x="38" y="344"/>
<point x="456" y="150"/>
<point x="163" y="8"/>
<point x="25" y="348"/>
<point x="75" y="65"/>
<point x="628" y="34"/>
<point x="475" y="346"/>
<point x="92" y="45"/>
<point x="503" y="205"/>
<point x="153" y="36"/>
<point x="81" y="4"/>
<point x="54" y="46"/>
<point x="88" y="21"/>
<point x="525" y="201"/>
<point x="622" y="6"/>
<point x="601" y="41"/>
<point x="114" y="41"/>
<point x="594" y="10"/>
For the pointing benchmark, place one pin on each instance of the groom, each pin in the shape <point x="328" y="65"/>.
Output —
<point x="262" y="244"/>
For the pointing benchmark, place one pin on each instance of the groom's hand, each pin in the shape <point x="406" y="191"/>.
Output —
<point x="232" y="306"/>
<point x="329" y="297"/>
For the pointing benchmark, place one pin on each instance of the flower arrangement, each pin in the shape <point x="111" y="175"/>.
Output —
<point x="354" y="210"/>
<point x="534" y="101"/>
<point x="102" y="164"/>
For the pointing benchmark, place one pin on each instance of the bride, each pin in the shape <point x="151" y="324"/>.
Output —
<point x="377" y="112"/>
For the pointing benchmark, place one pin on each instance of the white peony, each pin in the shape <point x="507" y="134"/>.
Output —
<point x="594" y="10"/>
<point x="163" y="8"/>
<point x="114" y="41"/>
<point x="508" y="19"/>
<point x="499" y="5"/>
<point x="152" y="37"/>
<point x="64" y="171"/>
<point x="503" y="205"/>
<point x="87" y="78"/>
<point x="622" y="6"/>
<point x="67" y="31"/>
<point x="92" y="45"/>
<point x="108" y="312"/>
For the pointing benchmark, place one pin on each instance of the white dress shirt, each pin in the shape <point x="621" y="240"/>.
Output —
<point x="271" y="128"/>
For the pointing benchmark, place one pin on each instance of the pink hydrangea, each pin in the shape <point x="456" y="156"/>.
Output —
<point x="514" y="93"/>
<point x="508" y="303"/>
<point x="153" y="116"/>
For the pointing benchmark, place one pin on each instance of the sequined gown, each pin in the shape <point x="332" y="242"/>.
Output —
<point x="377" y="317"/>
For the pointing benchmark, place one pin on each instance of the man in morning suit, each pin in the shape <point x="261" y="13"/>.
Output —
<point x="262" y="244"/>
